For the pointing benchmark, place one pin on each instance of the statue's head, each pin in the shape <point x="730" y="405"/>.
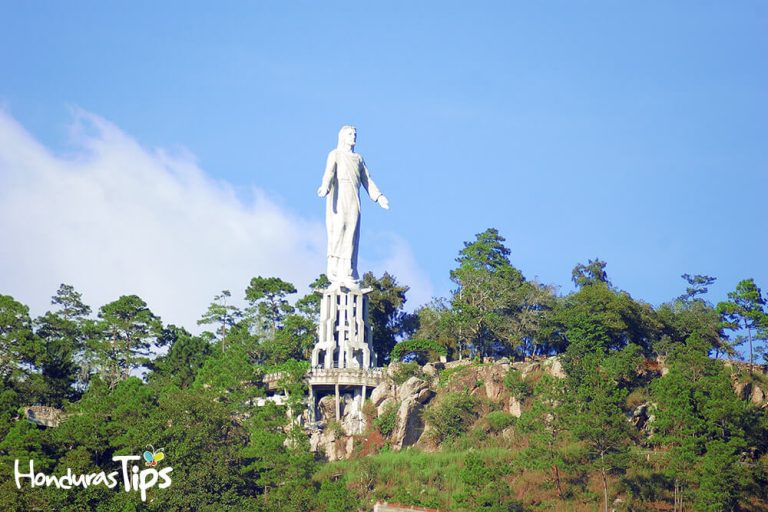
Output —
<point x="347" y="137"/>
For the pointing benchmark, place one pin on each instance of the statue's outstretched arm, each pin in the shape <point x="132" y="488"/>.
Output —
<point x="330" y="172"/>
<point x="372" y="189"/>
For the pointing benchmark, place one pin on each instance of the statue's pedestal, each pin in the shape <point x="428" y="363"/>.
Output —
<point x="343" y="357"/>
<point x="344" y="336"/>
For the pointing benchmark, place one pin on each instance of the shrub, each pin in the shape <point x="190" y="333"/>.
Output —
<point x="335" y="427"/>
<point x="515" y="383"/>
<point x="335" y="497"/>
<point x="422" y="350"/>
<point x="499" y="420"/>
<point x="452" y="415"/>
<point x="405" y="371"/>
<point x="369" y="411"/>
<point x="388" y="420"/>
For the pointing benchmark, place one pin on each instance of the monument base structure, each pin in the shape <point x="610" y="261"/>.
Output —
<point x="343" y="362"/>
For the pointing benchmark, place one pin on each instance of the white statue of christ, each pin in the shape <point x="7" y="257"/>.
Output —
<point x="345" y="171"/>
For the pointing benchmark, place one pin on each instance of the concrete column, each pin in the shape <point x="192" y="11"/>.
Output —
<point x="338" y="404"/>
<point x="311" y="405"/>
<point x="364" y="389"/>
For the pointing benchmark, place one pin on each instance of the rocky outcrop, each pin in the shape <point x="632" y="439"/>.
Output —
<point x="336" y="439"/>
<point x="554" y="367"/>
<point x="515" y="407"/>
<point x="334" y="444"/>
<point x="413" y="395"/>
<point x="641" y="416"/>
<point x="398" y="406"/>
<point x="43" y="415"/>
<point x="410" y="397"/>
<point x="751" y="391"/>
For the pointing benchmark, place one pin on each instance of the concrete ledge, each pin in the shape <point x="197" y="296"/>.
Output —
<point x="370" y="377"/>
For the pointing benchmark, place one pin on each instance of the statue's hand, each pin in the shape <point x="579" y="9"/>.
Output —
<point x="383" y="202"/>
<point x="322" y="192"/>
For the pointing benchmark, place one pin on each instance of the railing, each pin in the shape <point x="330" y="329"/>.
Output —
<point x="371" y="375"/>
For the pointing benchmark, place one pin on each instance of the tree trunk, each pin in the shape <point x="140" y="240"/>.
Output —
<point x="605" y="480"/>
<point x="674" y="506"/>
<point x="557" y="481"/>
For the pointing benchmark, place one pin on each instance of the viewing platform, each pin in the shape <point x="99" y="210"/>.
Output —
<point x="369" y="377"/>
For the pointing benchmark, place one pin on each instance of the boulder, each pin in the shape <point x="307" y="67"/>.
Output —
<point x="429" y="369"/>
<point x="411" y="388"/>
<point x="758" y="395"/>
<point x="381" y="393"/>
<point x="743" y="390"/>
<point x="334" y="448"/>
<point x="530" y="368"/>
<point x="456" y="364"/>
<point x="515" y="407"/>
<point x="640" y="416"/>
<point x="425" y="395"/>
<point x="353" y="419"/>
<point x="327" y="408"/>
<point x="554" y="367"/>
<point x="410" y="425"/>
<point x="494" y="388"/>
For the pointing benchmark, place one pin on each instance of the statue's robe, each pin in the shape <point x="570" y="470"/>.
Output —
<point x="345" y="171"/>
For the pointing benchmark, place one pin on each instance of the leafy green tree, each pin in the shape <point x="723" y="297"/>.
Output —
<point x="484" y="302"/>
<point x="9" y="406"/>
<point x="17" y="340"/>
<point x="276" y="466"/>
<point x="619" y="318"/>
<point x="268" y="302"/>
<point x="534" y="305"/>
<point x="591" y="273"/>
<point x="129" y="331"/>
<point x="231" y="375"/>
<point x="294" y="340"/>
<point x="697" y="285"/>
<point x="745" y="310"/>
<point x="60" y="341"/>
<point x="600" y="423"/>
<point x="25" y="442"/>
<point x="548" y="434"/>
<point x="698" y="411"/>
<point x="718" y="476"/>
<point x="437" y="322"/>
<point x="385" y="312"/>
<point x="62" y="335"/>
<point x="202" y="440"/>
<point x="680" y="320"/>
<point x="335" y="497"/>
<point x="595" y="398"/>
<point x="222" y="314"/>
<point x="690" y="314"/>
<point x="494" y="308"/>
<point x="309" y="305"/>
<point x="185" y="357"/>
<point x="297" y="333"/>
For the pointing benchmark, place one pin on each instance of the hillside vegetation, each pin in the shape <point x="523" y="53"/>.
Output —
<point x="587" y="401"/>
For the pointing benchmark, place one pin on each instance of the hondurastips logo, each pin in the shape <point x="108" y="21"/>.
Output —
<point x="132" y="476"/>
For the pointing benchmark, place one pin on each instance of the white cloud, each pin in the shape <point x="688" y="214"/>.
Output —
<point x="113" y="218"/>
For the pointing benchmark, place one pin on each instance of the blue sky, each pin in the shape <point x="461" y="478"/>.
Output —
<point x="635" y="133"/>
